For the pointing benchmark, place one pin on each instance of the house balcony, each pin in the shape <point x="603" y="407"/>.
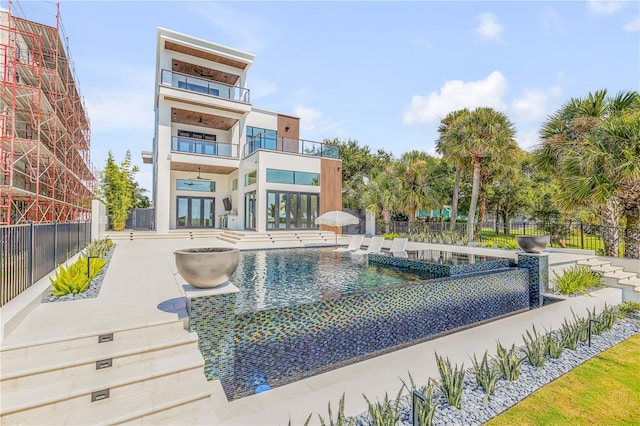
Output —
<point x="175" y="86"/>
<point x="203" y="147"/>
<point x="293" y="146"/>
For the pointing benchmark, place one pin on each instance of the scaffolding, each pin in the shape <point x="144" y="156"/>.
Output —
<point x="46" y="173"/>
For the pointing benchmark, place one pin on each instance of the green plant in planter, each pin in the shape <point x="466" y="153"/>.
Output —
<point x="628" y="308"/>
<point x="451" y="381"/>
<point x="582" y="325"/>
<point x="535" y="347"/>
<point x="577" y="279"/>
<point x="570" y="335"/>
<point x="74" y="278"/>
<point x="554" y="344"/>
<point x="340" y="420"/>
<point x="384" y="413"/>
<point x="425" y="408"/>
<point x="509" y="362"/>
<point x="391" y="236"/>
<point x="487" y="375"/>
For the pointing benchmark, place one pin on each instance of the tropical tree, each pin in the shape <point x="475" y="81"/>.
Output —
<point x="416" y="184"/>
<point x="583" y="143"/>
<point x="380" y="196"/>
<point x="448" y="145"/>
<point x="487" y="137"/>
<point x="117" y="189"/>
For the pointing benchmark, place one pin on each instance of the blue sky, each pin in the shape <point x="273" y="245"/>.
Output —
<point x="380" y="72"/>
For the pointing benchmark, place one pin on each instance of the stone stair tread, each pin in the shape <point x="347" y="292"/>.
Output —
<point x="635" y="280"/>
<point x="158" y="338"/>
<point x="607" y="268"/>
<point x="593" y="263"/>
<point x="620" y="275"/>
<point x="130" y="407"/>
<point x="27" y="397"/>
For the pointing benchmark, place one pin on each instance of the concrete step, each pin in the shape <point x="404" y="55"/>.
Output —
<point x="604" y="269"/>
<point x="593" y="262"/>
<point x="149" y="406"/>
<point x="42" y="369"/>
<point x="633" y="281"/>
<point x="74" y="393"/>
<point x="198" y="412"/>
<point x="51" y="346"/>
<point x="620" y="275"/>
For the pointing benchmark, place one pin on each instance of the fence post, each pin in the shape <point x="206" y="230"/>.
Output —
<point x="68" y="238"/>
<point x="55" y="243"/>
<point x="31" y="255"/>
<point x="581" y="236"/>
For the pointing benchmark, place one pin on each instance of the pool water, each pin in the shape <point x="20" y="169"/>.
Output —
<point x="287" y="277"/>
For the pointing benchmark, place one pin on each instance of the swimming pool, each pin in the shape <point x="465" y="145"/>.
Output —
<point x="301" y="312"/>
<point x="287" y="277"/>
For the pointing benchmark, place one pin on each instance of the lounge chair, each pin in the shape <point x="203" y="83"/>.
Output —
<point x="354" y="244"/>
<point x="398" y="248"/>
<point x="375" y="245"/>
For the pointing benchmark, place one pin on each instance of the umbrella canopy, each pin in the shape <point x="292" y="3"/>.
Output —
<point x="337" y="218"/>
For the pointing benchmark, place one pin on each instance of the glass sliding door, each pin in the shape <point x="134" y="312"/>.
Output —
<point x="292" y="210"/>
<point x="250" y="210"/>
<point x="195" y="212"/>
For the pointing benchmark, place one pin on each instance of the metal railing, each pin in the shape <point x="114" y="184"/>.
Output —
<point x="296" y="146"/>
<point x="575" y="235"/>
<point x="203" y="147"/>
<point x="29" y="252"/>
<point x="204" y="86"/>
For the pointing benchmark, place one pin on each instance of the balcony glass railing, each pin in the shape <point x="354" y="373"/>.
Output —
<point x="296" y="146"/>
<point x="199" y="146"/>
<point x="204" y="86"/>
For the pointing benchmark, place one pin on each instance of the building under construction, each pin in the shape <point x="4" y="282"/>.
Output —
<point x="46" y="173"/>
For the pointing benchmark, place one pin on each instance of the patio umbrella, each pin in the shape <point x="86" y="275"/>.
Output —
<point x="337" y="218"/>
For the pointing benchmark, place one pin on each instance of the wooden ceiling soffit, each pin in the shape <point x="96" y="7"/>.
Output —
<point x="189" y="167"/>
<point x="169" y="45"/>
<point x="194" y="118"/>
<point x="204" y="72"/>
<point x="203" y="105"/>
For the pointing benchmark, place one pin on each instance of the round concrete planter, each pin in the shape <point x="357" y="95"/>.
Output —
<point x="207" y="267"/>
<point x="533" y="243"/>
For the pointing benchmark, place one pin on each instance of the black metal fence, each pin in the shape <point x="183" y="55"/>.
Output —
<point x="142" y="219"/>
<point x="575" y="235"/>
<point x="29" y="252"/>
<point x="361" y="227"/>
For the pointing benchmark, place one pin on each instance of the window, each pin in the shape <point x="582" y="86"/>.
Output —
<point x="291" y="177"/>
<point x="234" y="184"/>
<point x="250" y="178"/>
<point x="195" y="185"/>
<point x="267" y="139"/>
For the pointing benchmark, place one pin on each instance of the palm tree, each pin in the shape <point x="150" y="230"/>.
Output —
<point x="582" y="147"/>
<point x="446" y="146"/>
<point x="416" y="185"/>
<point x="380" y="196"/>
<point x="486" y="134"/>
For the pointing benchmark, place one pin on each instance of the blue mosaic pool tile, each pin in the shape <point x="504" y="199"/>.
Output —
<point x="287" y="344"/>
<point x="538" y="266"/>
<point x="428" y="270"/>
<point x="212" y="318"/>
<point x="472" y="268"/>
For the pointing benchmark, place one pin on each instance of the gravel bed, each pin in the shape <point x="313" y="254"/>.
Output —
<point x="90" y="293"/>
<point x="507" y="394"/>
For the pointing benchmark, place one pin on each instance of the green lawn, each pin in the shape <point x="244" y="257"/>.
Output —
<point x="603" y="391"/>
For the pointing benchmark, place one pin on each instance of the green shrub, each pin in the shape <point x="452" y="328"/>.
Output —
<point x="554" y="344"/>
<point x="384" y="413"/>
<point x="391" y="236"/>
<point x="487" y="375"/>
<point x="628" y="308"/>
<point x="535" y="347"/>
<point x="98" y="248"/>
<point x="577" y="279"/>
<point x="74" y="279"/>
<point x="426" y="407"/>
<point x="570" y="335"/>
<point x="451" y="381"/>
<point x="341" y="420"/>
<point x="508" y="362"/>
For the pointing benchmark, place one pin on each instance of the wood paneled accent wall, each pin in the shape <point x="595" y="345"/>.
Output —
<point x="330" y="188"/>
<point x="290" y="137"/>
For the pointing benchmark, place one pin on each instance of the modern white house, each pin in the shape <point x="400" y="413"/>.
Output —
<point x="221" y="162"/>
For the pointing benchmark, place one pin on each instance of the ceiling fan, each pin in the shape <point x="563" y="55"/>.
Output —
<point x="200" y="177"/>
<point x="202" y="73"/>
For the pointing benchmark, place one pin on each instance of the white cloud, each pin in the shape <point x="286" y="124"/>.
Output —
<point x="421" y="41"/>
<point x="531" y="105"/>
<point x="249" y="32"/>
<point x="528" y="140"/>
<point x="605" y="7"/>
<point x="633" y="25"/>
<point x="261" y="88"/>
<point x="551" y="20"/>
<point x="309" y="117"/>
<point x="489" y="28"/>
<point x="457" y="94"/>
